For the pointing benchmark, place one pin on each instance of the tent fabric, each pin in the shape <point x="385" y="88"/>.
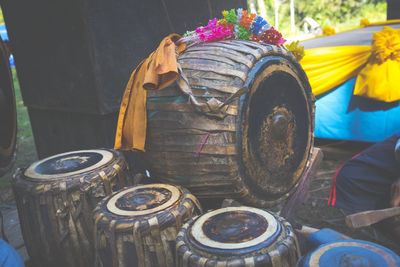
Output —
<point x="342" y="115"/>
<point x="328" y="67"/>
<point x="377" y="66"/>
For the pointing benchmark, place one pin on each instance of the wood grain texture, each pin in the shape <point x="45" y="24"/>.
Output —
<point x="145" y="240"/>
<point x="55" y="216"/>
<point x="259" y="155"/>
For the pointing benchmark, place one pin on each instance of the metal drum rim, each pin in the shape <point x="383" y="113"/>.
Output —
<point x="113" y="209"/>
<point x="31" y="174"/>
<point x="199" y="236"/>
<point x="383" y="252"/>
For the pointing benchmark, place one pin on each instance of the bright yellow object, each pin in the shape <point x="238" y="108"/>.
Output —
<point x="327" y="30"/>
<point x="364" y="22"/>
<point x="296" y="49"/>
<point x="156" y="72"/>
<point x="328" y="67"/>
<point x="380" y="79"/>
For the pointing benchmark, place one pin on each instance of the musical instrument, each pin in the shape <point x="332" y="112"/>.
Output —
<point x="55" y="198"/>
<point x="8" y="113"/>
<point x="237" y="236"/>
<point x="350" y="252"/>
<point x="247" y="131"/>
<point x="137" y="226"/>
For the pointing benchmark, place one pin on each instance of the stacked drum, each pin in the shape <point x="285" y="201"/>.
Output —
<point x="55" y="198"/>
<point x="237" y="236"/>
<point x="137" y="226"/>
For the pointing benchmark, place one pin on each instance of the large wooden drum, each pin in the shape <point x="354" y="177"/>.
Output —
<point x="137" y="226"/>
<point x="237" y="236"/>
<point x="350" y="253"/>
<point x="55" y="198"/>
<point x="8" y="113"/>
<point x="247" y="130"/>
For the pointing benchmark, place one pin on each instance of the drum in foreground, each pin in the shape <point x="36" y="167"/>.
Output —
<point x="258" y="146"/>
<point x="350" y="253"/>
<point x="237" y="236"/>
<point x="137" y="226"/>
<point x="55" y="198"/>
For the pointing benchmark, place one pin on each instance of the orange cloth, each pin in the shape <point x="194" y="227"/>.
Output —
<point x="154" y="73"/>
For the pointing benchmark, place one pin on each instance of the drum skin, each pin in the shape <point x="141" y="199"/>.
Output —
<point x="350" y="252"/>
<point x="258" y="151"/>
<point x="55" y="198"/>
<point x="237" y="236"/>
<point x="8" y="113"/>
<point x="137" y="226"/>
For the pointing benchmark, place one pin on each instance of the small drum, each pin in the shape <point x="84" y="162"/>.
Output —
<point x="137" y="226"/>
<point x="55" y="198"/>
<point x="237" y="236"/>
<point x="350" y="253"/>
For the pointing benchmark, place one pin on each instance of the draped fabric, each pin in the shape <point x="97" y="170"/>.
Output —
<point x="377" y="67"/>
<point x="156" y="72"/>
<point x="328" y="67"/>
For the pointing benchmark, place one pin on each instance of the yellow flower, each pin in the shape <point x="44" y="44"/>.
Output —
<point x="364" y="22"/>
<point x="224" y="13"/>
<point x="386" y="45"/>
<point x="296" y="49"/>
<point x="221" y="21"/>
<point x="327" y="30"/>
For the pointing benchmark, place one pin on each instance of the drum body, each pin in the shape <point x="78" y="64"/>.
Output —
<point x="137" y="226"/>
<point x="237" y="236"/>
<point x="8" y="113"/>
<point x="259" y="149"/>
<point x="55" y="198"/>
<point x="350" y="253"/>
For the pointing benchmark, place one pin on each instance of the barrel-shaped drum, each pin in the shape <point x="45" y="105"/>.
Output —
<point x="252" y="137"/>
<point x="55" y="199"/>
<point x="137" y="226"/>
<point x="350" y="253"/>
<point x="237" y="236"/>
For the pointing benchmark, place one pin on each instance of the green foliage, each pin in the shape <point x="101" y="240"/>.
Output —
<point x="1" y="17"/>
<point x="26" y="153"/>
<point x="339" y="14"/>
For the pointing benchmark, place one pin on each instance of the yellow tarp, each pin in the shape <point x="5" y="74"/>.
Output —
<point x="377" y="67"/>
<point x="328" y="67"/>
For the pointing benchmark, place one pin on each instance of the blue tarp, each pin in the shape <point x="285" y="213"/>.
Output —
<point x="4" y="36"/>
<point x="342" y="115"/>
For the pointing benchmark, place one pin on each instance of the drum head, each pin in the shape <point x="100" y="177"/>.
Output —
<point x="68" y="164"/>
<point x="351" y="253"/>
<point x="234" y="230"/>
<point x="277" y="129"/>
<point x="8" y="113"/>
<point x="143" y="200"/>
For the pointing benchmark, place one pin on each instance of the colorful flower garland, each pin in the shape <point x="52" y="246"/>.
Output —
<point x="236" y="24"/>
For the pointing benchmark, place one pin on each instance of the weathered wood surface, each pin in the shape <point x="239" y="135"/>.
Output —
<point x="259" y="150"/>
<point x="237" y="236"/>
<point x="55" y="214"/>
<point x="146" y="236"/>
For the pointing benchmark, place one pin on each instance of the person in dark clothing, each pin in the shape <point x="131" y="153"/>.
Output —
<point x="370" y="180"/>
